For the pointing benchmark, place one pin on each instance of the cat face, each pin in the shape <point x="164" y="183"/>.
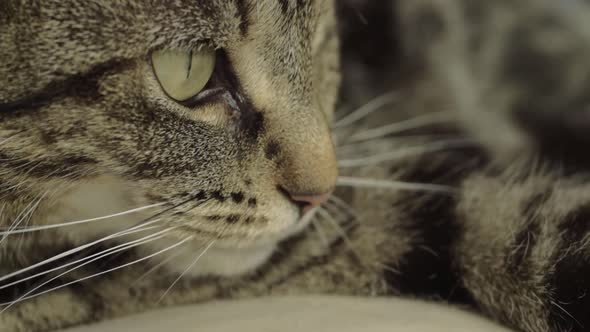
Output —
<point x="519" y="75"/>
<point x="90" y="123"/>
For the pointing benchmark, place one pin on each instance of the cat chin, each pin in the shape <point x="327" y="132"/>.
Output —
<point x="217" y="261"/>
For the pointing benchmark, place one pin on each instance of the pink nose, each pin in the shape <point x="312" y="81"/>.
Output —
<point x="309" y="202"/>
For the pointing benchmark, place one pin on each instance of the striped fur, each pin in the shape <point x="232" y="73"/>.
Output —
<point x="511" y="242"/>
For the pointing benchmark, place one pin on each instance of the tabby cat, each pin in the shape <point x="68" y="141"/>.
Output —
<point x="156" y="153"/>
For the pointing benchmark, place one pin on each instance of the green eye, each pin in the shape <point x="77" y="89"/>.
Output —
<point x="183" y="74"/>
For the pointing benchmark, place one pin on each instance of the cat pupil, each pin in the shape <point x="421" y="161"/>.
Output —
<point x="190" y="64"/>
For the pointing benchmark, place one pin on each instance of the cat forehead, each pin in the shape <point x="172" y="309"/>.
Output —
<point x="49" y="42"/>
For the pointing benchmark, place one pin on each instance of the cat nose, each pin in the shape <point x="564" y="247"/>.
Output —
<point x="310" y="202"/>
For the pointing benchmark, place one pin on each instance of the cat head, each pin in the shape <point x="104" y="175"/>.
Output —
<point x="517" y="73"/>
<point x="214" y="112"/>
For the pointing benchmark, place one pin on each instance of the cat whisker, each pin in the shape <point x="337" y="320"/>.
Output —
<point x="147" y="222"/>
<point x="28" y="210"/>
<point x="78" y="222"/>
<point x="394" y="185"/>
<point x="344" y="236"/>
<point x="157" y="266"/>
<point x="321" y="233"/>
<point x="388" y="268"/>
<point x="402" y="153"/>
<point x="336" y="209"/>
<point x="9" y="304"/>
<point x="365" y="110"/>
<point x="85" y="258"/>
<point x="77" y="249"/>
<point x="105" y="253"/>
<point x="28" y="218"/>
<point x="341" y="232"/>
<point x="187" y="269"/>
<point x="397" y="127"/>
<point x="342" y="204"/>
<point x="309" y="215"/>
<point x="555" y="304"/>
<point x="404" y="140"/>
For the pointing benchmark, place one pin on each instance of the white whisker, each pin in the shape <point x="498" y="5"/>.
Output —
<point x="78" y="222"/>
<point x="368" y="108"/>
<point x="377" y="143"/>
<point x="23" y="215"/>
<point x="343" y="205"/>
<point x="326" y="216"/>
<point x="157" y="266"/>
<point x="330" y="206"/>
<point x="308" y="216"/>
<point x="405" y="152"/>
<point x="388" y="268"/>
<point x="78" y="249"/>
<point x="185" y="271"/>
<point x="395" y="185"/>
<point x="321" y="234"/>
<point x="81" y="259"/>
<point x="28" y="217"/>
<point x="397" y="127"/>
<point x="9" y="304"/>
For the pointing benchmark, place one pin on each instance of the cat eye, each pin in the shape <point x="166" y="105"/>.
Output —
<point x="183" y="74"/>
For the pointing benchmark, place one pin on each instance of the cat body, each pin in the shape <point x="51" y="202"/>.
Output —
<point x="141" y="201"/>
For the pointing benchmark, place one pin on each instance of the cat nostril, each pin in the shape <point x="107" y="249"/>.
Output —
<point x="307" y="202"/>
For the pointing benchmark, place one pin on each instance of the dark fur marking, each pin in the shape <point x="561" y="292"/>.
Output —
<point x="432" y="216"/>
<point x="570" y="287"/>
<point x="338" y="247"/>
<point x="525" y="240"/>
<point x="83" y="86"/>
<point x="284" y="6"/>
<point x="575" y="226"/>
<point x="251" y="121"/>
<point x="214" y="217"/>
<point x="217" y="195"/>
<point x="244" y="16"/>
<point x="283" y="254"/>
<point x="237" y="197"/>
<point x="232" y="218"/>
<point x="201" y="195"/>
<point x="58" y="168"/>
<point x="559" y="137"/>
<point x="252" y="202"/>
<point x="272" y="150"/>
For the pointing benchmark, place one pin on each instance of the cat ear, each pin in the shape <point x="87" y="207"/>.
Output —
<point x="183" y="74"/>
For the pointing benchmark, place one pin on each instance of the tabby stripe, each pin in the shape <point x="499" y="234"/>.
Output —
<point x="284" y="254"/>
<point x="300" y="6"/>
<point x="284" y="6"/>
<point x="569" y="283"/>
<point x="81" y="85"/>
<point x="428" y="269"/>
<point x="244" y="15"/>
<point x="59" y="168"/>
<point x="576" y="224"/>
<point x="525" y="240"/>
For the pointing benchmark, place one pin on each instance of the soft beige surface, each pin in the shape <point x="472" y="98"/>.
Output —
<point x="313" y="313"/>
